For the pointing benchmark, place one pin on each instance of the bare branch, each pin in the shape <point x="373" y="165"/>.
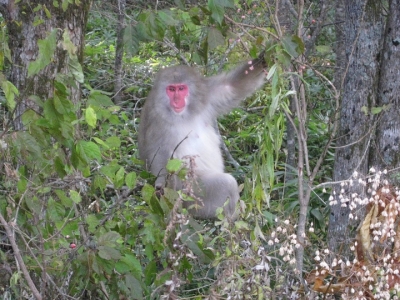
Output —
<point x="18" y="257"/>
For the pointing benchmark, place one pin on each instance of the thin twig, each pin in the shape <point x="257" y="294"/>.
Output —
<point x="18" y="257"/>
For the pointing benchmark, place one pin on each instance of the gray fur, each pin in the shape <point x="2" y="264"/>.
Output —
<point x="161" y="130"/>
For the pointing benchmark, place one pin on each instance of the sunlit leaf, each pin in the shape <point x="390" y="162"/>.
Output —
<point x="99" y="98"/>
<point x="90" y="117"/>
<point x="174" y="165"/>
<point x="10" y="91"/>
<point x="113" y="142"/>
<point x="75" y="196"/>
<point x="89" y="150"/>
<point x="130" y="180"/>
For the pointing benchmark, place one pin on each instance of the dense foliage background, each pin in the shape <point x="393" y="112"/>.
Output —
<point x="79" y="215"/>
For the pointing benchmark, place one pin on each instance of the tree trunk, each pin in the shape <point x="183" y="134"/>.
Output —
<point x="363" y="31"/>
<point x="385" y="152"/>
<point x="26" y="24"/>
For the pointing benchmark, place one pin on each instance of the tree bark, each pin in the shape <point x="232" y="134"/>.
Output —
<point x="26" y="24"/>
<point x="363" y="31"/>
<point x="385" y="152"/>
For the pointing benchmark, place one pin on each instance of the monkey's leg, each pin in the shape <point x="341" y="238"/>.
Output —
<point x="216" y="190"/>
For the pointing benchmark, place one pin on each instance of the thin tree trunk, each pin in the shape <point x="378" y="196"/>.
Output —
<point x="119" y="51"/>
<point x="287" y="15"/>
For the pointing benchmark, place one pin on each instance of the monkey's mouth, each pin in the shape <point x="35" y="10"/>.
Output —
<point x="178" y="109"/>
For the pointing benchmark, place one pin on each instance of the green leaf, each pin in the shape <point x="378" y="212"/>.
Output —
<point x="180" y="4"/>
<point x="135" y="287"/>
<point x="47" y="12"/>
<point x="55" y="210"/>
<point x="293" y="45"/>
<point x="92" y="221"/>
<point x="67" y="44"/>
<point x="10" y="91"/>
<point x="242" y="225"/>
<point x="75" y="196"/>
<point x="110" y="170"/>
<point x="47" y="48"/>
<point x="217" y="11"/>
<point x="99" y="98"/>
<point x="271" y="71"/>
<point x="33" y="204"/>
<point x="226" y="3"/>
<point x="317" y="214"/>
<point x="28" y="119"/>
<point x="134" y="265"/>
<point x="377" y="110"/>
<point x="132" y="39"/>
<point x="113" y="142"/>
<point x="109" y="238"/>
<point x="106" y="265"/>
<point x="108" y="253"/>
<point x="323" y="49"/>
<point x="59" y="166"/>
<point x="364" y="109"/>
<point x="90" y="116"/>
<point x="174" y="165"/>
<point x="22" y="184"/>
<point x="150" y="273"/>
<point x="100" y="142"/>
<point x="76" y="68"/>
<point x="64" y="5"/>
<point x="59" y="105"/>
<point x="167" y="18"/>
<point x="269" y="217"/>
<point x="121" y="267"/>
<point x="66" y="201"/>
<point x="207" y="252"/>
<point x="155" y="206"/>
<point x="119" y="178"/>
<point x="274" y="105"/>
<point x="147" y="192"/>
<point x="88" y="150"/>
<point x="196" y="20"/>
<point x="69" y="228"/>
<point x="130" y="180"/>
<point x="214" y="38"/>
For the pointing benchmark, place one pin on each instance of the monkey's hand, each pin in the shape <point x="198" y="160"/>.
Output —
<point x="159" y="191"/>
<point x="261" y="59"/>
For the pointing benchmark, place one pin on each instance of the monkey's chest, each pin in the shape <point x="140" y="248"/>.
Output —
<point x="201" y="143"/>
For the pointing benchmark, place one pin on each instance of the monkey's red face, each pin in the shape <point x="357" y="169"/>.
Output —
<point x="177" y="96"/>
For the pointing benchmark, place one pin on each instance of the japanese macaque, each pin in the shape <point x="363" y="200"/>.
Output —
<point x="177" y="122"/>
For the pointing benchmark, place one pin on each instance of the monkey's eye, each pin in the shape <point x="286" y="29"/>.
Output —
<point x="171" y="88"/>
<point x="181" y="88"/>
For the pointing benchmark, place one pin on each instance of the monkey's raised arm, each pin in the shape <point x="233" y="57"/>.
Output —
<point x="227" y="90"/>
